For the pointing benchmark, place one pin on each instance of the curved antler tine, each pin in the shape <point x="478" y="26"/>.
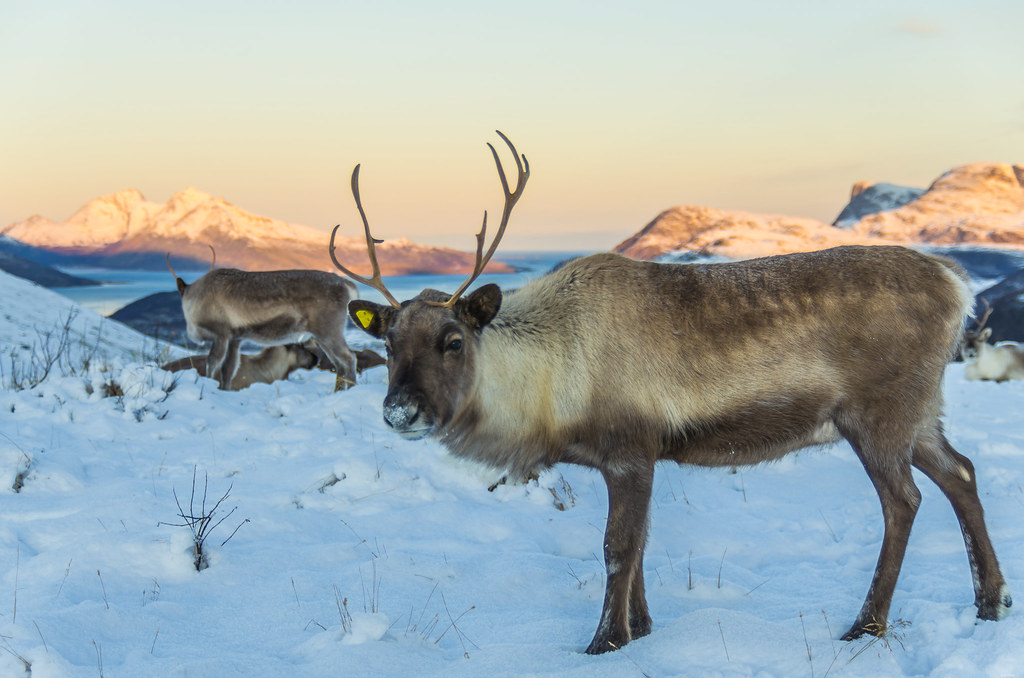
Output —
<point x="511" y="198"/>
<point x="519" y="163"/>
<point x="375" y="281"/>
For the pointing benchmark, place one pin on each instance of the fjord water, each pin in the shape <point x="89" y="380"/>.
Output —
<point x="122" y="287"/>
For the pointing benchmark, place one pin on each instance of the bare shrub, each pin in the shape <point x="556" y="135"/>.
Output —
<point x="201" y="522"/>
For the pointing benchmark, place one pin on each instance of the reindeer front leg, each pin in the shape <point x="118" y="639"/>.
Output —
<point x="625" y="615"/>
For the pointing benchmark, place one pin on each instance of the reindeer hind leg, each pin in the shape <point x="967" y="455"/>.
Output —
<point x="344" y="362"/>
<point x="954" y="474"/>
<point x="215" y="361"/>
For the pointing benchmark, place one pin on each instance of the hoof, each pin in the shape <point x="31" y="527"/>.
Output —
<point x="640" y="628"/>
<point x="858" y="629"/>
<point x="602" y="645"/>
<point x="999" y="608"/>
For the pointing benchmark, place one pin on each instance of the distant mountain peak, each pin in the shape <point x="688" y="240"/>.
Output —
<point x="978" y="204"/>
<point x="869" y="198"/>
<point x="192" y="196"/>
<point x="124" y="224"/>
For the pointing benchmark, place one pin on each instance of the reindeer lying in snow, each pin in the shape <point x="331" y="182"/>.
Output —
<point x="227" y="306"/>
<point x="986" y="362"/>
<point x="273" y="363"/>
<point x="616" y="364"/>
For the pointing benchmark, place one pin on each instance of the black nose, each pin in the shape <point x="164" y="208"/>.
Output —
<point x="400" y="413"/>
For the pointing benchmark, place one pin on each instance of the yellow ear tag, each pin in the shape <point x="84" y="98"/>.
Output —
<point x="365" y="318"/>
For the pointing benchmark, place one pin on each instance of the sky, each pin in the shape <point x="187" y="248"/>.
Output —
<point x="623" y="111"/>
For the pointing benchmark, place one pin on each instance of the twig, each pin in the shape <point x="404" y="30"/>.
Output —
<point x="424" y="610"/>
<point x="26" y="663"/>
<point x="235" y="530"/>
<point x="17" y="569"/>
<point x="40" y="632"/>
<point x="830" y="530"/>
<point x="103" y="586"/>
<point x="757" y="587"/>
<point x="723" y="641"/>
<point x="807" y="644"/>
<point x="632" y="661"/>
<point x="458" y="632"/>
<point x="828" y="626"/>
<point x="99" y="656"/>
<point x="201" y="523"/>
<point x="67" y="571"/>
<point x="346" y="616"/>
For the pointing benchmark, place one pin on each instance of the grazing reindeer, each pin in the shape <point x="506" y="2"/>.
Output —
<point x="227" y="305"/>
<point x="269" y="365"/>
<point x="616" y="364"/>
<point x="986" y="362"/>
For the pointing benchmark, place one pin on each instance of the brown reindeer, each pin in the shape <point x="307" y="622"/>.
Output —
<point x="227" y="306"/>
<point x="269" y="365"/>
<point x="616" y="364"/>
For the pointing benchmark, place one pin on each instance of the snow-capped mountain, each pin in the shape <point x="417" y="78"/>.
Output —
<point x="979" y="204"/>
<point x="868" y="198"/>
<point x="125" y="225"/>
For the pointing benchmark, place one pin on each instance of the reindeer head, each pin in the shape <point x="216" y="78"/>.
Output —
<point x="431" y="351"/>
<point x="431" y="340"/>
<point x="970" y="348"/>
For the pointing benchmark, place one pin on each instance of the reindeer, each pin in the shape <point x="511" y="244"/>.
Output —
<point x="226" y="306"/>
<point x="985" y="362"/>
<point x="269" y="365"/>
<point x="616" y="364"/>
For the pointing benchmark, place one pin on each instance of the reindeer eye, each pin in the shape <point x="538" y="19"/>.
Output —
<point x="454" y="345"/>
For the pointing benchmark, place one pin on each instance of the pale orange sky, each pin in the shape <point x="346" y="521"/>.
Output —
<point x="623" y="112"/>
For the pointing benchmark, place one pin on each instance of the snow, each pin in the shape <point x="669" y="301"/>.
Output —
<point x="114" y="218"/>
<point x="368" y="555"/>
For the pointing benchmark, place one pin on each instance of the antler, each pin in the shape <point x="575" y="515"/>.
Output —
<point x="511" y="197"/>
<point x="375" y="281"/>
<point x="984" y="318"/>
<point x="214" y="261"/>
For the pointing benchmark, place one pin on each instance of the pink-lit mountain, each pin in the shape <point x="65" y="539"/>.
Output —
<point x="980" y="204"/>
<point x="126" y="223"/>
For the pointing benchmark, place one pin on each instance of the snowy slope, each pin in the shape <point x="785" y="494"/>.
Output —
<point x="361" y="549"/>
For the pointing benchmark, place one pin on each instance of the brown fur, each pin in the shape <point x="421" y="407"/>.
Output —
<point x="269" y="365"/>
<point x="615" y="364"/>
<point x="227" y="306"/>
<point x="365" y="358"/>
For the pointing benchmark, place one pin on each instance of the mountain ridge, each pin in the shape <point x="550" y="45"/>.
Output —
<point x="979" y="204"/>
<point x="124" y="226"/>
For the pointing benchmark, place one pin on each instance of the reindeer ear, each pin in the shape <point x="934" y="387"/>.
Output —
<point x="480" y="307"/>
<point x="985" y="334"/>
<point x="374" y="319"/>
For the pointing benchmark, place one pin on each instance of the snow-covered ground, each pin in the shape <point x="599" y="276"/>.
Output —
<point x="361" y="554"/>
